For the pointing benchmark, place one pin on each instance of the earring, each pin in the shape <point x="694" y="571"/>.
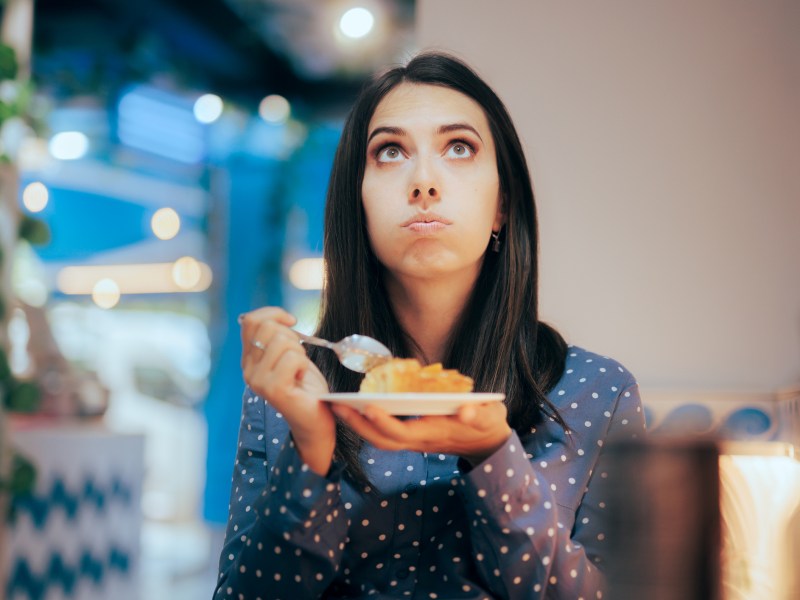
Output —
<point x="495" y="241"/>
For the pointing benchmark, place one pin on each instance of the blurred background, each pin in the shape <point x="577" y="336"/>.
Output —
<point x="163" y="166"/>
<point x="170" y="158"/>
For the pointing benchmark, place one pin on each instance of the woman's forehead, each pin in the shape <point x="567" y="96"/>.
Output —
<point x="409" y="104"/>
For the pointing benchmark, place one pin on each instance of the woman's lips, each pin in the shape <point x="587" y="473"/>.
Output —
<point x="426" y="223"/>
<point x="426" y="227"/>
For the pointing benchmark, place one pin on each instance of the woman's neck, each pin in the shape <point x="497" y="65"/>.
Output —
<point x="428" y="310"/>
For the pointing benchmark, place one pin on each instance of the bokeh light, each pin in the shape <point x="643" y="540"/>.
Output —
<point x="165" y="223"/>
<point x="356" y="22"/>
<point x="183" y="275"/>
<point x="307" y="274"/>
<point x="105" y="293"/>
<point x="68" y="145"/>
<point x="35" y="196"/>
<point x="186" y="273"/>
<point x="208" y="108"/>
<point x="274" y="109"/>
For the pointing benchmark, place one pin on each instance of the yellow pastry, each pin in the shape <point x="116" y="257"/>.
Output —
<point x="408" y="375"/>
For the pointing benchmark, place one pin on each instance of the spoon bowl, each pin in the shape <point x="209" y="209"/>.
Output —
<point x="356" y="352"/>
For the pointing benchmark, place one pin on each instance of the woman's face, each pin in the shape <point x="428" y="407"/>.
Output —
<point x="431" y="189"/>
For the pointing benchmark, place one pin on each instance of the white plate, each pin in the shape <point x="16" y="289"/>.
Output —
<point x="413" y="404"/>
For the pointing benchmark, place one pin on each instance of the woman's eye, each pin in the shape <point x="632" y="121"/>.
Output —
<point x="390" y="154"/>
<point x="460" y="150"/>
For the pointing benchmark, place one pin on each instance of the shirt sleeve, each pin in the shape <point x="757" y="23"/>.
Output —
<point x="521" y="546"/>
<point x="627" y="423"/>
<point x="287" y="528"/>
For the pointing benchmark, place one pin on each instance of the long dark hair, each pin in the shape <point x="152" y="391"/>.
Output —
<point x="498" y="340"/>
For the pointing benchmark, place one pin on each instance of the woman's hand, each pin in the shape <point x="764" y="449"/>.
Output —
<point x="278" y="370"/>
<point x="474" y="433"/>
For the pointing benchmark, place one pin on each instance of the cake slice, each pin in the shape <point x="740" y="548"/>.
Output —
<point x="408" y="375"/>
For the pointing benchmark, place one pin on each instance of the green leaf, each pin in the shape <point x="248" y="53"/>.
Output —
<point x="23" y="475"/>
<point x="34" y="231"/>
<point x="20" y="483"/>
<point x="5" y="370"/>
<point x="6" y="111"/>
<point x="24" y="397"/>
<point x="8" y="62"/>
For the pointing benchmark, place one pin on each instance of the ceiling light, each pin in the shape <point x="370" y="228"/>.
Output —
<point x="68" y="145"/>
<point x="184" y="275"/>
<point x="307" y="274"/>
<point x="356" y="22"/>
<point x="274" y="109"/>
<point x="165" y="223"/>
<point x="208" y="108"/>
<point x="105" y="293"/>
<point x="35" y="196"/>
<point x="187" y="273"/>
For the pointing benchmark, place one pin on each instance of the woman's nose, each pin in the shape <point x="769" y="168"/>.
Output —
<point x="429" y="193"/>
<point x="423" y="186"/>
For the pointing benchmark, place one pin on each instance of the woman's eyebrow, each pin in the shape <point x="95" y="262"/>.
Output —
<point x="398" y="131"/>
<point x="457" y="127"/>
<point x="390" y="130"/>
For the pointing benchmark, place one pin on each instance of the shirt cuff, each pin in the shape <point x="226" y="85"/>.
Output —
<point x="295" y="492"/>
<point x="506" y="474"/>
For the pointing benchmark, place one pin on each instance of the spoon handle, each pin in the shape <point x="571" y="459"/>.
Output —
<point x="314" y="341"/>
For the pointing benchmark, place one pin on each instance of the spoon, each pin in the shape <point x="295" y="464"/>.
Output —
<point x="358" y="353"/>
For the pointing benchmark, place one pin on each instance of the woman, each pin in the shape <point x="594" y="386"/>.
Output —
<point x="430" y="245"/>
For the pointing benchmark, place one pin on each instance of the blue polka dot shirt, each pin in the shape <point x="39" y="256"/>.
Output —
<point x="526" y="523"/>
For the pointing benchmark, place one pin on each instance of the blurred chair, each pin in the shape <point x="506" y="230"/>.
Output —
<point x="703" y="519"/>
<point x="663" y="503"/>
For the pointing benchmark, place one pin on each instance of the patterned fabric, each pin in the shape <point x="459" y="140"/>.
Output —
<point x="525" y="523"/>
<point x="77" y="534"/>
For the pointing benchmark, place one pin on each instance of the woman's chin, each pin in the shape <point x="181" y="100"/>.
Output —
<point x="438" y="267"/>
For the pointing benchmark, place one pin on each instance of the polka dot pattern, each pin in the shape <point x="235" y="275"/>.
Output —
<point x="526" y="523"/>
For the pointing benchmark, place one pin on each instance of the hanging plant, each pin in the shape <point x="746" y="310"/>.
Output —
<point x="8" y="62"/>
<point x="17" y="474"/>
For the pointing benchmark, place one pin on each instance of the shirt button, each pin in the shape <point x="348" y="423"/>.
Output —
<point x="402" y="573"/>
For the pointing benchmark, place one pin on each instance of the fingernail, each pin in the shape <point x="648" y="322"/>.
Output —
<point x="240" y="318"/>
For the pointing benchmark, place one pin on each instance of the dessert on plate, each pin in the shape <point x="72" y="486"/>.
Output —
<point x="407" y="375"/>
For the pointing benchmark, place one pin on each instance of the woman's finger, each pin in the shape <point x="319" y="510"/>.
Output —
<point x="263" y="358"/>
<point x="256" y="341"/>
<point x="251" y="321"/>
<point x="410" y="432"/>
<point x="366" y="429"/>
<point x="467" y="414"/>
<point x="387" y="425"/>
<point x="273" y="313"/>
<point x="257" y="332"/>
<point x="279" y="342"/>
<point x="289" y="368"/>
<point x="483" y="417"/>
<point x="259" y="344"/>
